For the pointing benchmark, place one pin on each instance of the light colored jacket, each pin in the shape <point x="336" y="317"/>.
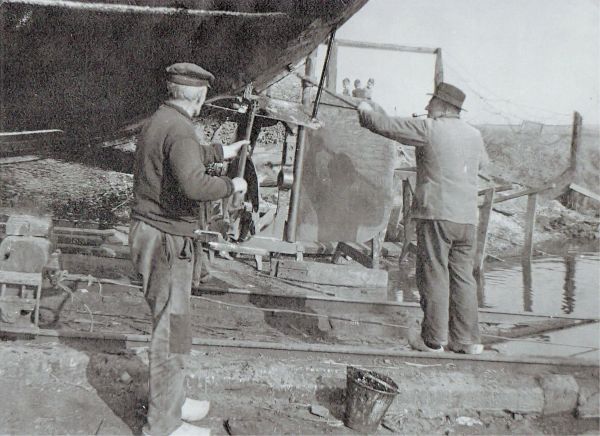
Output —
<point x="449" y="154"/>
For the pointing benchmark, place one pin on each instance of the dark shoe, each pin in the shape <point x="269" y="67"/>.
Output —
<point x="417" y="343"/>
<point x="466" y="348"/>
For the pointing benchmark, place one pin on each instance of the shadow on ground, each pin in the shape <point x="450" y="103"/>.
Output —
<point x="120" y="379"/>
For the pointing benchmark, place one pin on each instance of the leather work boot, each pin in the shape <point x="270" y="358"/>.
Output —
<point x="417" y="343"/>
<point x="466" y="348"/>
<point x="194" y="410"/>
<point x="186" y="429"/>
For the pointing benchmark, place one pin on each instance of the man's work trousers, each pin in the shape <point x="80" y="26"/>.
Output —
<point x="445" y="256"/>
<point x="165" y="262"/>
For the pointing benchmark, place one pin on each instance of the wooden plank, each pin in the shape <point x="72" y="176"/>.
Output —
<point x="135" y="340"/>
<point x="584" y="191"/>
<point x="20" y="278"/>
<point x="84" y="231"/>
<point x="528" y="191"/>
<point x="529" y="225"/>
<point x="328" y="274"/>
<point x="18" y="159"/>
<point x="385" y="46"/>
<point x="13" y="136"/>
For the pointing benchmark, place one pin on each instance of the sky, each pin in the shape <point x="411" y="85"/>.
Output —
<point x="533" y="60"/>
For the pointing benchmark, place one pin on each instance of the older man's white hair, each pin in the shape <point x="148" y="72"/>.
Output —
<point x="185" y="92"/>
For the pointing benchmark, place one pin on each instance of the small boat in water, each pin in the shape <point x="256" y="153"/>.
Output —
<point x="91" y="67"/>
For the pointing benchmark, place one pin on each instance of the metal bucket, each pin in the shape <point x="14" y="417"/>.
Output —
<point x="368" y="397"/>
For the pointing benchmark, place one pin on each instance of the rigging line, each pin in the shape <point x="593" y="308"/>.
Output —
<point x="499" y="99"/>
<point x="290" y="72"/>
<point x="297" y="312"/>
<point x="497" y="111"/>
<point x="514" y="103"/>
<point x="358" y="322"/>
<point x="464" y="74"/>
<point x="475" y="91"/>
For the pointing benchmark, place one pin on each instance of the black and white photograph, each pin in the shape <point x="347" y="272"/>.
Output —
<point x="299" y="217"/>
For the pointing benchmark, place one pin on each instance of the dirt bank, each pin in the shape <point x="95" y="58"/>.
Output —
<point x="105" y="392"/>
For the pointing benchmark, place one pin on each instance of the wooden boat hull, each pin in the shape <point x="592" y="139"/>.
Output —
<point x="92" y="68"/>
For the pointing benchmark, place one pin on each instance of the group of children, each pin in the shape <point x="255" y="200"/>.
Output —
<point x="359" y="91"/>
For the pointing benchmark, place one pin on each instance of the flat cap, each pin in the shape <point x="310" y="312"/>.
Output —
<point x="185" y="73"/>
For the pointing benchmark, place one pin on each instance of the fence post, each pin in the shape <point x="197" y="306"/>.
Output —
<point x="530" y="225"/>
<point x="485" y="211"/>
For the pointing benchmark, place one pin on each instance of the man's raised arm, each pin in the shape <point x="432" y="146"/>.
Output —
<point x="409" y="131"/>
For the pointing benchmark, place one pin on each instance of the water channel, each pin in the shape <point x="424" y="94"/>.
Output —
<point x="554" y="285"/>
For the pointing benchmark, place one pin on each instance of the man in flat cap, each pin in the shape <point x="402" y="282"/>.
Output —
<point x="170" y="182"/>
<point x="449" y="156"/>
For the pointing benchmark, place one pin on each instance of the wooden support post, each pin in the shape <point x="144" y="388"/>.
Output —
<point x="36" y="311"/>
<point x="332" y="68"/>
<point x="529" y="225"/>
<point x="439" y="67"/>
<point x="575" y="139"/>
<point x="575" y="144"/>
<point x="376" y="247"/>
<point x="292" y="223"/>
<point x="485" y="212"/>
<point x="406" y="220"/>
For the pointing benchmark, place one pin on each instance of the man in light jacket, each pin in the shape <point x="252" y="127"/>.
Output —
<point x="449" y="155"/>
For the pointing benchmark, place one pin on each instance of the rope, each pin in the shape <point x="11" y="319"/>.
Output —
<point x="358" y="322"/>
<point x="297" y="312"/>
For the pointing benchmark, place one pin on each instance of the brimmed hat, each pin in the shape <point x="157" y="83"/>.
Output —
<point x="450" y="94"/>
<point x="184" y="73"/>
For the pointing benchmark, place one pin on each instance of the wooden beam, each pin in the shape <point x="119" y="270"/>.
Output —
<point x="584" y="191"/>
<point x="529" y="225"/>
<point x="348" y="100"/>
<point x="385" y="46"/>
<point x="527" y="191"/>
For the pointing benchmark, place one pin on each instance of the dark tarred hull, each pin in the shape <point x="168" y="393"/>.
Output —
<point x="90" y="71"/>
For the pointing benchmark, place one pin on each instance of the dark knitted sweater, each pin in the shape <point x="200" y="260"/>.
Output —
<point x="169" y="178"/>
